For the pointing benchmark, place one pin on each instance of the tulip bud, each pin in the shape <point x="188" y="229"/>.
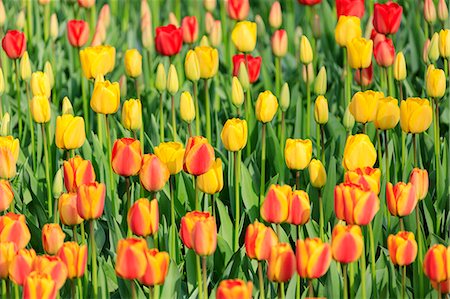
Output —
<point x="384" y="52"/>
<point x="316" y="26"/>
<point x="198" y="156"/>
<point x="281" y="264"/>
<point x="275" y="15"/>
<point x="433" y="51"/>
<point x="297" y="153"/>
<point x="444" y="43"/>
<point x="54" y="28"/>
<point x="321" y="110"/>
<point x="70" y="132"/>
<point x="131" y="251"/>
<point x="132" y="114"/>
<point x="320" y="84"/>
<point x="211" y="182"/>
<point x="187" y="108"/>
<point x="234" y="134"/>
<point x="126" y="157"/>
<point x="285" y="97"/>
<point x="308" y="73"/>
<point x="429" y="11"/>
<point x="91" y="200"/>
<point x="105" y="15"/>
<point x="123" y="86"/>
<point x="299" y="208"/>
<point x="172" y="80"/>
<point x="173" y="19"/>
<point x="143" y="217"/>
<point x="436" y="83"/>
<point x="66" y="106"/>
<point x="2" y="82"/>
<point x="426" y="47"/>
<point x="209" y="22"/>
<point x="189" y="26"/>
<point x="237" y="93"/>
<point x="25" y="67"/>
<point x="275" y="208"/>
<point x="157" y="267"/>
<point x="105" y="97"/>
<point x="435" y="263"/>
<point x="147" y="38"/>
<point x="204" y="42"/>
<point x="306" y="54"/>
<point x="40" y="109"/>
<point x="20" y="20"/>
<point x="419" y="179"/>
<point x="209" y="5"/>
<point x="49" y="72"/>
<point x="215" y="36"/>
<point x="191" y="66"/>
<point x="348" y="120"/>
<point x="243" y="36"/>
<point x="52" y="238"/>
<point x="40" y="84"/>
<point x="154" y="174"/>
<point x="234" y="288"/>
<point x="415" y="115"/>
<point x="243" y="76"/>
<point x="74" y="256"/>
<point x="133" y="63"/>
<point x="388" y="113"/>
<point x="259" y="239"/>
<point x="359" y="152"/>
<point x="346" y="243"/>
<point x="313" y="258"/>
<point x="261" y="27"/>
<point x="160" y="82"/>
<point x="401" y="199"/>
<point x="2" y="14"/>
<point x="6" y="195"/>
<point x="400" y="67"/>
<point x="266" y="106"/>
<point x="58" y="183"/>
<point x="67" y="207"/>
<point x="4" y="128"/>
<point x="279" y="43"/>
<point x="442" y="11"/>
<point x="317" y="173"/>
<point x="7" y="253"/>
<point x="171" y="154"/>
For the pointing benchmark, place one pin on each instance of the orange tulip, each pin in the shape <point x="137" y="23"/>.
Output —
<point x="313" y="258"/>
<point x="143" y="217"/>
<point x="275" y="208"/>
<point x="281" y="263"/>
<point x="67" y="207"/>
<point x="234" y="289"/>
<point x="154" y="174"/>
<point x="21" y="265"/>
<point x="52" y="238"/>
<point x="39" y="286"/>
<point x="401" y="198"/>
<point x="53" y="266"/>
<point x="199" y="232"/>
<point x="157" y="267"/>
<point x="354" y="204"/>
<point x="126" y="157"/>
<point x="419" y="179"/>
<point x="7" y="253"/>
<point x="299" y="208"/>
<point x="366" y="178"/>
<point x="444" y="286"/>
<point x="13" y="228"/>
<point x="259" y="240"/>
<point x="6" y="195"/>
<point x="91" y="200"/>
<point x="198" y="156"/>
<point x="131" y="262"/>
<point x="346" y="243"/>
<point x="77" y="172"/>
<point x="402" y="248"/>
<point x="436" y="263"/>
<point x="74" y="256"/>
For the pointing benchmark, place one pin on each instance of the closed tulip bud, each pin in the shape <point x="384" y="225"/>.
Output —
<point x="7" y="253"/>
<point x="442" y="11"/>
<point x="147" y="37"/>
<point x="243" y="36"/>
<point x="131" y="262"/>
<point x="172" y="80"/>
<point x="360" y="53"/>
<point x="313" y="258"/>
<point x="133" y="63"/>
<point x="171" y="154"/>
<point x="13" y="228"/>
<point x="86" y="3"/>
<point x="198" y="156"/>
<point x="157" y="267"/>
<point x="52" y="238"/>
<point x="429" y="11"/>
<point x="91" y="200"/>
<point x="39" y="283"/>
<point x="347" y="28"/>
<point x="444" y="43"/>
<point x="54" y="27"/>
<point x="320" y="84"/>
<point x="275" y="15"/>
<point x="436" y="82"/>
<point x="187" y="108"/>
<point x="70" y="132"/>
<point x="9" y="153"/>
<point x="2" y="14"/>
<point x="237" y="93"/>
<point x="415" y="115"/>
<point x="364" y="105"/>
<point x="401" y="199"/>
<point x="209" y="5"/>
<point x="433" y="50"/>
<point x="21" y="265"/>
<point x="281" y="263"/>
<point x="279" y="43"/>
<point x="243" y="77"/>
<point x="419" y="179"/>
<point x="132" y="114"/>
<point x="143" y="217"/>
<point x="238" y="9"/>
<point x="297" y="153"/>
<point x="266" y="106"/>
<point x="388" y="114"/>
<point x="25" y="67"/>
<point x="261" y="27"/>
<point x="4" y="127"/>
<point x="66" y="106"/>
<point x="275" y="208"/>
<point x="74" y="256"/>
<point x="123" y="86"/>
<point x="234" y="288"/>
<point x="198" y="231"/>
<point x="306" y="54"/>
<point x="308" y="74"/>
<point x="317" y="173"/>
<point x="400" y="67"/>
<point x="97" y="61"/>
<point x="211" y="182"/>
<point x="215" y="36"/>
<point x="346" y="243"/>
<point x="126" y="157"/>
<point x="6" y="195"/>
<point x="77" y="32"/>
<point x="204" y="42"/>
<point x="365" y="178"/>
<point x="285" y="97"/>
<point x="67" y="207"/>
<point x="208" y="59"/>
<point x="191" y="66"/>
<point x="105" y="97"/>
<point x="348" y="120"/>
<point x="40" y="84"/>
<point x="189" y="26"/>
<point x="77" y="172"/>
<point x="154" y="174"/>
<point x="259" y="240"/>
<point x="49" y="72"/>
<point x="426" y="47"/>
<point x="160" y="82"/>
<point x="359" y="152"/>
<point x="234" y="134"/>
<point x="436" y="263"/>
<point x="316" y="26"/>
<point x="321" y="110"/>
<point x="384" y="51"/>
<point x="40" y="109"/>
<point x="299" y="208"/>
<point x="402" y="248"/>
<point x="209" y="23"/>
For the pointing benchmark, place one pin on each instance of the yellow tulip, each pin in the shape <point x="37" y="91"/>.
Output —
<point x="70" y="132"/>
<point x="192" y="66"/>
<point x="364" y="105"/>
<point x="347" y="28"/>
<point x="243" y="77"/>
<point x="66" y="106"/>
<point x="306" y="54"/>
<point x="48" y="70"/>
<point x="433" y="50"/>
<point x="40" y="109"/>
<point x="436" y="82"/>
<point x="25" y="67"/>
<point x="234" y="134"/>
<point x="98" y="60"/>
<point x="415" y="115"/>
<point x="320" y="84"/>
<point x="285" y="97"/>
<point x="187" y="108"/>
<point x="297" y="153"/>
<point x="208" y="59"/>
<point x="105" y="97"/>
<point x="266" y="106"/>
<point x="171" y="154"/>
<point x="444" y="43"/>
<point x="211" y="182"/>
<point x="237" y="93"/>
<point x="160" y="81"/>
<point x="359" y="152"/>
<point x="40" y="84"/>
<point x="321" y="110"/>
<point x="133" y="63"/>
<point x="317" y="173"/>
<point x="388" y="113"/>
<point x="172" y="80"/>
<point x="360" y="53"/>
<point x="132" y="114"/>
<point x="244" y="36"/>
<point x="400" y="67"/>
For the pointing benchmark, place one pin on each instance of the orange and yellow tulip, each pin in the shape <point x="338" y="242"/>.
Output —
<point x="154" y="174"/>
<point x="21" y="265"/>
<point x="53" y="266"/>
<point x="7" y="253"/>
<point x="436" y="263"/>
<point x="131" y="262"/>
<point x="234" y="289"/>
<point x="419" y="179"/>
<point x="281" y="263"/>
<point x="9" y="153"/>
<point x="126" y="157"/>
<point x="366" y="178"/>
<point x="198" y="156"/>
<point x="74" y="256"/>
<point x="68" y="211"/>
<point x="52" y="238"/>
<point x="211" y="182"/>
<point x="13" y="228"/>
<point x="199" y="232"/>
<point x="39" y="285"/>
<point x="401" y="199"/>
<point x="91" y="200"/>
<point x="313" y="258"/>
<point x="402" y="248"/>
<point x="157" y="267"/>
<point x="299" y="208"/>
<point x="143" y="217"/>
<point x="346" y="243"/>
<point x="77" y="172"/>
<point x="259" y="240"/>
<point x="6" y="195"/>
<point x="275" y="208"/>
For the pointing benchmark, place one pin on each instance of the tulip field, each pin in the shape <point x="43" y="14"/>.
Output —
<point x="227" y="149"/>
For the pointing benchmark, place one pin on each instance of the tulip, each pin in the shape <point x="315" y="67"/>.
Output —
<point x="444" y="43"/>
<point x="348" y="120"/>
<point x="237" y="93"/>
<point x="419" y="179"/>
<point x="189" y="26"/>
<point x="66" y="106"/>
<point x="384" y="52"/>
<point x="402" y="248"/>
<point x="154" y="174"/>
<point x="9" y="153"/>
<point x="347" y="28"/>
<point x="309" y="2"/>
<point x="234" y="134"/>
<point x="234" y="289"/>
<point x="401" y="199"/>
<point x="173" y="19"/>
<point x="54" y="28"/>
<point x="67" y="207"/>
<point x="25" y="67"/>
<point x="97" y="61"/>
<point x="313" y="258"/>
<point x="20" y="19"/>
<point x="320" y="84"/>
<point x="215" y="36"/>
<point x="308" y="74"/>
<point x="242" y="74"/>
<point x="317" y="174"/>
<point x="77" y="32"/>
<point x="435" y="263"/>
<point x="350" y="8"/>
<point x="199" y="232"/>
<point x="40" y="109"/>
<point x="442" y="14"/>
<point x="359" y="52"/>
<point x="86" y="3"/>
<point x="211" y="182"/>
<point x="21" y="265"/>
<point x="6" y="195"/>
<point x="285" y="97"/>
<point x="53" y="266"/>
<point x="126" y="157"/>
<point x="7" y="253"/>
<point x="39" y="285"/>
<point x="40" y="84"/>
<point x="387" y="17"/>
<point x="281" y="263"/>
<point x="321" y="110"/>
<point x="209" y="22"/>
<point x="306" y="54"/>
<point x="388" y="113"/>
<point x="346" y="243"/>
<point x="77" y="172"/>
<point x="131" y="262"/>
<point x="275" y="208"/>
<point x="429" y="11"/>
<point x="443" y="286"/>
<point x="133" y="63"/>
<point x="208" y="59"/>
<point x="171" y="154"/>
<point x="172" y="80"/>
<point x="105" y="97"/>
<point x="91" y="200"/>
<point x="49" y="72"/>
<point x="74" y="256"/>
<point x="367" y="75"/>
<point x="160" y="81"/>
<point x="299" y="208"/>
<point x="238" y="9"/>
<point x="275" y="15"/>
<point x="279" y="42"/>
<point x="191" y="66"/>
<point x="13" y="228"/>
<point x="132" y="114"/>
<point x="14" y="44"/>
<point x="297" y="153"/>
<point x="209" y="5"/>
<point x="70" y="132"/>
<point x="147" y="37"/>
<point x="187" y="108"/>
<point x="433" y="50"/>
<point x="5" y="123"/>
<point x="400" y="67"/>
<point x="366" y="178"/>
<point x="157" y="267"/>
<point x="253" y="64"/>
<point x="259" y="240"/>
<point x="199" y="156"/>
<point x="168" y="40"/>
<point x="52" y="238"/>
<point x="415" y="115"/>
<point x="359" y="152"/>
<point x="266" y="106"/>
<point x="243" y="36"/>
<point x="436" y="82"/>
<point x="143" y="217"/>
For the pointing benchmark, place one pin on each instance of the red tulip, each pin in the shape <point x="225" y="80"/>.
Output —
<point x="126" y="157"/>
<point x="402" y="248"/>
<point x="253" y="63"/>
<point x="401" y="199"/>
<point x="77" y="172"/>
<point x="367" y="75"/>
<point x="309" y="2"/>
<point x="168" y="40"/>
<point x="189" y="26"/>
<point x="238" y="9"/>
<point x="387" y="17"/>
<point x="384" y="51"/>
<point x="14" y="44"/>
<point x="281" y="263"/>
<point x="350" y="8"/>
<point x="77" y="32"/>
<point x="198" y="156"/>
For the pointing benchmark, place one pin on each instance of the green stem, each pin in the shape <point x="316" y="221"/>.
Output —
<point x="373" y="261"/>
<point x="281" y="287"/>
<point x="321" y="220"/>
<point x="31" y="124"/>
<point x="380" y="155"/>
<point x="94" y="257"/>
<point x="133" y="289"/>
<point x="199" y="277"/>
<point x="127" y="188"/>
<point x="93" y="20"/>
<point x="172" y="219"/>
<point x="197" y="203"/>
<point x="110" y="171"/>
<point x="298" y="286"/>
<point x="197" y="109"/>
<point x="437" y="149"/>
<point x="248" y="109"/>
<point x="344" y="270"/>
<point x="126" y="15"/>
<point x="47" y="172"/>
<point x="351" y="279"/>
<point x="362" y="263"/>
<point x="297" y="180"/>
<point x="83" y="234"/>
<point x="282" y="141"/>
<point x="150" y="292"/>
<point x="73" y="288"/>
<point x="205" y="284"/>
<point x="261" y="281"/>
<point x="208" y="112"/>
<point x="46" y="21"/>
<point x="348" y="79"/>
<point x="75" y="234"/>
<point x="278" y="75"/>
<point x="263" y="166"/>
<point x="403" y="282"/>
<point x="419" y="250"/>
<point x="439" y="291"/>
<point x="237" y="175"/>
<point x="161" y="118"/>
<point x="18" y="93"/>
<point x="84" y="98"/>
<point x="400" y="90"/>
<point x="174" y="121"/>
<point x="322" y="140"/>
<point x="414" y="149"/>
<point x="404" y="152"/>
<point x="386" y="149"/>
<point x="308" y="104"/>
